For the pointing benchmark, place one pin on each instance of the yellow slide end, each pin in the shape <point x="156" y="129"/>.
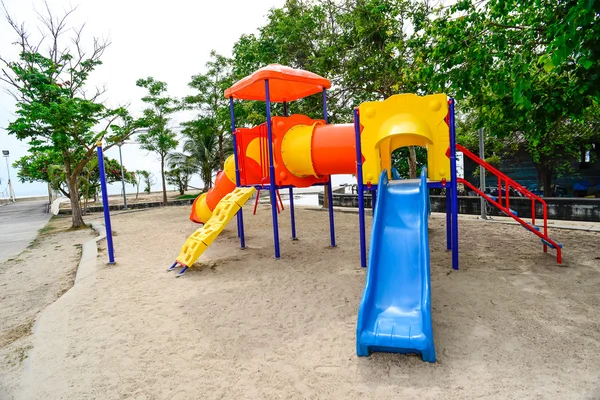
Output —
<point x="203" y="237"/>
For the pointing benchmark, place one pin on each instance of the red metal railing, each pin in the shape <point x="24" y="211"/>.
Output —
<point x="503" y="202"/>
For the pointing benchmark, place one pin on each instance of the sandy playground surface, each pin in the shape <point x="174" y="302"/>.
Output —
<point x="511" y="324"/>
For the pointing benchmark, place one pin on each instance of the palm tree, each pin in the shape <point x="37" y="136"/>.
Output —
<point x="181" y="168"/>
<point x="202" y="146"/>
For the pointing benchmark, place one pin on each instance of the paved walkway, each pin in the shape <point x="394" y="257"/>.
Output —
<point x="19" y="223"/>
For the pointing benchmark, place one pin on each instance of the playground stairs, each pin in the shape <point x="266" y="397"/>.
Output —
<point x="502" y="202"/>
<point x="203" y="237"/>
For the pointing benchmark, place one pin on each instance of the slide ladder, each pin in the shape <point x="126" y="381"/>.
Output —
<point x="503" y="202"/>
<point x="395" y="310"/>
<point x="199" y="241"/>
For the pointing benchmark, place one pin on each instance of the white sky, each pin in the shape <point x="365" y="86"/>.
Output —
<point x="169" y="40"/>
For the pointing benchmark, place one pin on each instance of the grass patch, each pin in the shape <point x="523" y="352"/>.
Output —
<point x="16" y="333"/>
<point x="84" y="226"/>
<point x="22" y="353"/>
<point x="189" y="196"/>
<point x="34" y="243"/>
<point x="46" y="229"/>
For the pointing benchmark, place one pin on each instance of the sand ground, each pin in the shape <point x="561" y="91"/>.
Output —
<point x="29" y="283"/>
<point x="511" y="324"/>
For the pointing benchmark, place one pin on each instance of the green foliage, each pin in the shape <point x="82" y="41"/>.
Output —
<point x="158" y="138"/>
<point x="211" y="105"/>
<point x="364" y="47"/>
<point x="59" y="121"/>
<point x="181" y="169"/>
<point x="202" y="146"/>
<point x="188" y="196"/>
<point x="146" y="177"/>
<point x="520" y="73"/>
<point x="400" y="161"/>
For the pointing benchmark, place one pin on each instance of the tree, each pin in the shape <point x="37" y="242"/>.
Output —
<point x="363" y="46"/>
<point x="181" y="168"/>
<point x="202" y="146"/>
<point x="148" y="178"/>
<point x="210" y="103"/>
<point x="55" y="113"/>
<point x="90" y="177"/>
<point x="518" y="70"/>
<point x="158" y="138"/>
<point x="139" y="176"/>
<point x="44" y="166"/>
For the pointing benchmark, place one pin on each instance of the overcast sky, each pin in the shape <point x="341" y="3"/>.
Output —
<point x="169" y="40"/>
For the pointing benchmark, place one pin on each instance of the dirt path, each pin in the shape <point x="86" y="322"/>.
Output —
<point x="30" y="282"/>
<point x="511" y="324"/>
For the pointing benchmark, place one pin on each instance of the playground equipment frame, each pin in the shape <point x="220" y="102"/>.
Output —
<point x="272" y="186"/>
<point x="451" y="191"/>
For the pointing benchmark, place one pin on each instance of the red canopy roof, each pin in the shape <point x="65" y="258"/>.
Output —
<point x="285" y="84"/>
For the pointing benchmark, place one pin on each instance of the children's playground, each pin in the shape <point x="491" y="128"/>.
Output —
<point x="295" y="151"/>
<point x="299" y="302"/>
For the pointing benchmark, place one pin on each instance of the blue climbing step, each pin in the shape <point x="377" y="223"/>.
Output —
<point x="534" y="227"/>
<point x="547" y="243"/>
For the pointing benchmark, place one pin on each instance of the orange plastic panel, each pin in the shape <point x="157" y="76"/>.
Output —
<point x="334" y="149"/>
<point x="222" y="187"/>
<point x="193" y="216"/>
<point x="253" y="162"/>
<point x="285" y="84"/>
<point x="283" y="176"/>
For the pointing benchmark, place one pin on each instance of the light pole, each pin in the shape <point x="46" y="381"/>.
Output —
<point x="483" y="214"/>
<point x="122" y="176"/>
<point x="11" y="192"/>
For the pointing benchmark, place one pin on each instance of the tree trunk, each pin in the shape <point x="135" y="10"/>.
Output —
<point x="76" y="215"/>
<point x="412" y="162"/>
<point x="164" y="181"/>
<point x="326" y="196"/>
<point x="545" y="173"/>
<point x="137" y="190"/>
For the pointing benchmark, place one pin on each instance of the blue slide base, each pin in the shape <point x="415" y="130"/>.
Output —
<point x="395" y="311"/>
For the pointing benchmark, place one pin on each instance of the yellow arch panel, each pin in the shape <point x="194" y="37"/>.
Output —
<point x="405" y="120"/>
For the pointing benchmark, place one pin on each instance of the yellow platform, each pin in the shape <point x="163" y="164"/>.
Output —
<point x="199" y="241"/>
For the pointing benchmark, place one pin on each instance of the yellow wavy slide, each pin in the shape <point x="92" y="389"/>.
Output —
<point x="199" y="241"/>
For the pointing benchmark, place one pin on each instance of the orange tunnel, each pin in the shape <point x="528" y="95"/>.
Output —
<point x="316" y="150"/>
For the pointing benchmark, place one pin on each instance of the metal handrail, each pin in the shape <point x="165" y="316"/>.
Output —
<point x="508" y="183"/>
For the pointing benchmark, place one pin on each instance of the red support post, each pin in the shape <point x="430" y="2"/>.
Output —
<point x="256" y="201"/>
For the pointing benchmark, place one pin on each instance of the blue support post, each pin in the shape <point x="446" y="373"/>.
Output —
<point x="240" y="214"/>
<point x="325" y="116"/>
<point x="292" y="213"/>
<point x="448" y="219"/>
<point x="109" y="238"/>
<point x="361" y="195"/>
<point x="453" y="188"/>
<point x="272" y="187"/>
<point x="329" y="186"/>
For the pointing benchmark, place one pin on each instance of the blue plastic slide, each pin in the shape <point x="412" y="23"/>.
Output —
<point x="395" y="311"/>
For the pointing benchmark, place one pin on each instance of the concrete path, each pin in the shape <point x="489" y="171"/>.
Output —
<point x="19" y="223"/>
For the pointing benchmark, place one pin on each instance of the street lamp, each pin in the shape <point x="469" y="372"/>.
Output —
<point x="122" y="176"/>
<point x="11" y="192"/>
